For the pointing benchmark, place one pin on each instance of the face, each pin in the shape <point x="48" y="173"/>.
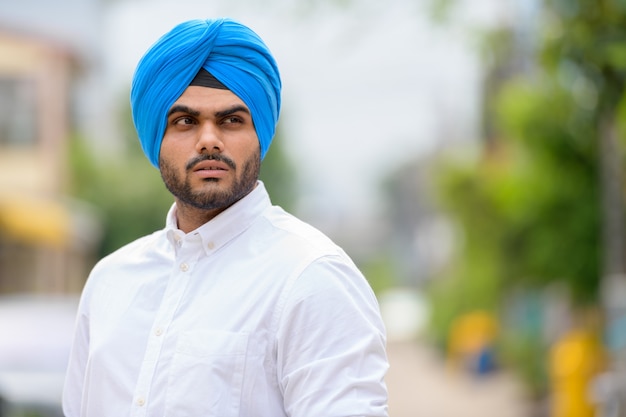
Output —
<point x="210" y="155"/>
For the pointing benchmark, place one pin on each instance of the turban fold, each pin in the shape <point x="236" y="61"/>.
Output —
<point x="230" y="51"/>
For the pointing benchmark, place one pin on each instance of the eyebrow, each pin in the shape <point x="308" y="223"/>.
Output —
<point x="234" y="109"/>
<point x="181" y="108"/>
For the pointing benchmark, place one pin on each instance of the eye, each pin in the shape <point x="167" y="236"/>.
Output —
<point x="184" y="120"/>
<point x="232" y="120"/>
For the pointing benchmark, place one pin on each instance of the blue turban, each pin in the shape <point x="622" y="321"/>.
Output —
<point x="230" y="51"/>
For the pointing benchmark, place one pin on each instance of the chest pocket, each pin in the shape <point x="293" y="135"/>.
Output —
<point x="206" y="374"/>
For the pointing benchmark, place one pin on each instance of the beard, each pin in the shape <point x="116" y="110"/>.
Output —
<point x="215" y="198"/>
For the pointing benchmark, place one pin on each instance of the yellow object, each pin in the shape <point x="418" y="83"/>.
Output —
<point x="574" y="361"/>
<point x="470" y="335"/>
<point x="35" y="221"/>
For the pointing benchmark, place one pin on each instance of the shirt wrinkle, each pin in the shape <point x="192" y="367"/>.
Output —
<point x="165" y="330"/>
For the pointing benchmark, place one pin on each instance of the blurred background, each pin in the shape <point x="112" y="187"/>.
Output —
<point x="469" y="155"/>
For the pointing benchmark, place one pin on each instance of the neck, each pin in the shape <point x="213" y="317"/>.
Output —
<point x="189" y="218"/>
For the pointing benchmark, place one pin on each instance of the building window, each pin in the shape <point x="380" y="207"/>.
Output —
<point x="18" y="112"/>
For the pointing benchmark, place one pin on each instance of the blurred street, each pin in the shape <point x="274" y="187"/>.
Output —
<point x="420" y="385"/>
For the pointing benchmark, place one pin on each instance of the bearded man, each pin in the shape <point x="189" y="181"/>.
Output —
<point x="235" y="308"/>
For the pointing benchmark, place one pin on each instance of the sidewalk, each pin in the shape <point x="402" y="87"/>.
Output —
<point x="420" y="386"/>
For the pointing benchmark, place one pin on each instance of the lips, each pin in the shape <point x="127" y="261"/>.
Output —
<point x="210" y="165"/>
<point x="210" y="170"/>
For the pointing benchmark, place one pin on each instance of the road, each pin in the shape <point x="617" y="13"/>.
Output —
<point x="420" y="386"/>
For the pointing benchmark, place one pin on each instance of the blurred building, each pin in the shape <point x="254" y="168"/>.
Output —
<point x="50" y="89"/>
<point x="46" y="240"/>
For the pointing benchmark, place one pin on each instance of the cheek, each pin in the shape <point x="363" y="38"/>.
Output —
<point x="248" y="147"/>
<point x="170" y="151"/>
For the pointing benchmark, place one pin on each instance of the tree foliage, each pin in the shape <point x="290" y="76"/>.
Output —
<point x="530" y="207"/>
<point x="126" y="190"/>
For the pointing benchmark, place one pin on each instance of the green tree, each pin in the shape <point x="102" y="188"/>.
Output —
<point x="533" y="206"/>
<point x="532" y="203"/>
<point x="279" y="175"/>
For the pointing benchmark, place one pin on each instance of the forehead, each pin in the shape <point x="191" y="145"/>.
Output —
<point x="206" y="98"/>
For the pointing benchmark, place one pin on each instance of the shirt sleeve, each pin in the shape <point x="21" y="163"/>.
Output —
<point x="331" y="357"/>
<point x="75" y="375"/>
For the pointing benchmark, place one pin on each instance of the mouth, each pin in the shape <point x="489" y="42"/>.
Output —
<point x="210" y="169"/>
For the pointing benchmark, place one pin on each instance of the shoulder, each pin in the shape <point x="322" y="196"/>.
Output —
<point x="320" y="265"/>
<point x="148" y="246"/>
<point x="147" y="251"/>
<point x="287" y="232"/>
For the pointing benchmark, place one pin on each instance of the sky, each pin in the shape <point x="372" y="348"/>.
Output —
<point x="365" y="88"/>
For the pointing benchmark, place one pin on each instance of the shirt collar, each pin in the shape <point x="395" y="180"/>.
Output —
<point x="226" y="225"/>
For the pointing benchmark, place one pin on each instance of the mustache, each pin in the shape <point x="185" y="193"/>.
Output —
<point x="212" y="157"/>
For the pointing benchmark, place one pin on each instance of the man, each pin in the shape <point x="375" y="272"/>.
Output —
<point x="235" y="308"/>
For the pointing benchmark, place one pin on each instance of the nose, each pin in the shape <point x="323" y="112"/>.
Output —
<point x="209" y="139"/>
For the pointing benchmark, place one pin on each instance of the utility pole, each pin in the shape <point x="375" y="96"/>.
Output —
<point x="614" y="257"/>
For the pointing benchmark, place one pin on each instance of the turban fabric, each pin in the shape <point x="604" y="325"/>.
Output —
<point x="230" y="51"/>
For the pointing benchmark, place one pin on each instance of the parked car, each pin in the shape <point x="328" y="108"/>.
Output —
<point x="34" y="350"/>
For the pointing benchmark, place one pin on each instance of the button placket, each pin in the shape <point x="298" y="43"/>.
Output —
<point x="184" y="258"/>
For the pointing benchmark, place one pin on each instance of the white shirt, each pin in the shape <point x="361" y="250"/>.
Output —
<point x="253" y="314"/>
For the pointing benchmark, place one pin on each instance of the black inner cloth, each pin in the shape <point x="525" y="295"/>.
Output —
<point x="205" y="79"/>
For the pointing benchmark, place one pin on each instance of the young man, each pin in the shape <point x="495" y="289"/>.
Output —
<point x="235" y="308"/>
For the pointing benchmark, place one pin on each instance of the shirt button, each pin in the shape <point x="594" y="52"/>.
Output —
<point x="158" y="332"/>
<point x="184" y="267"/>
<point x="211" y="245"/>
<point x="141" y="402"/>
